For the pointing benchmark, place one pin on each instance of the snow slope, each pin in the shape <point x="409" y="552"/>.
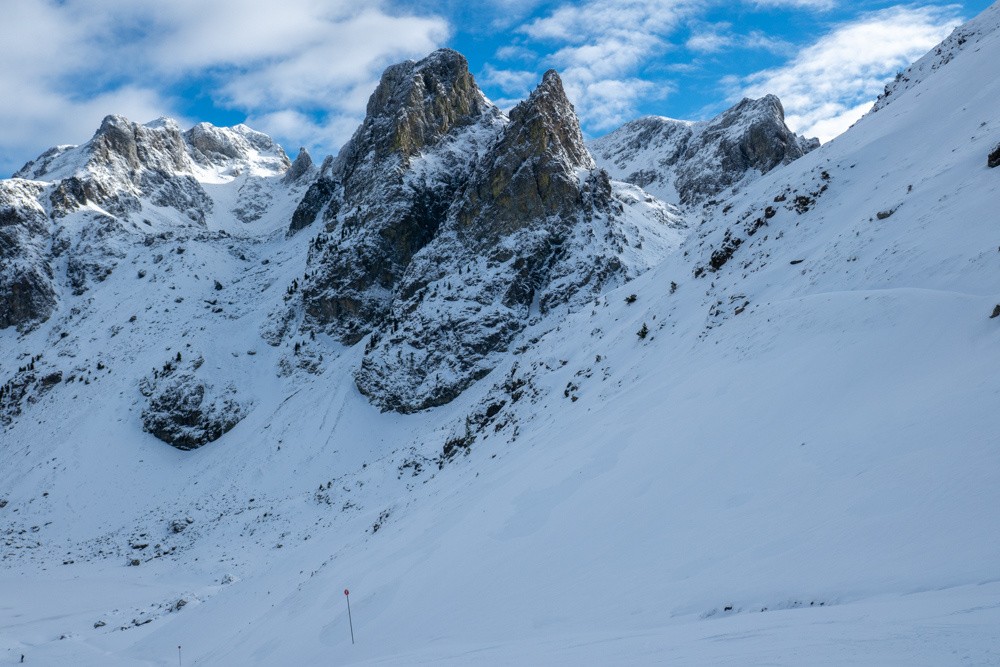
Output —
<point x="796" y="465"/>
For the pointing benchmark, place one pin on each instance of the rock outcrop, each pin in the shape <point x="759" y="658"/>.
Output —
<point x="301" y="168"/>
<point x="531" y="171"/>
<point x="427" y="122"/>
<point x="126" y="164"/>
<point x="536" y="226"/>
<point x="185" y="411"/>
<point x="689" y="163"/>
<point x="27" y="291"/>
<point x="323" y="192"/>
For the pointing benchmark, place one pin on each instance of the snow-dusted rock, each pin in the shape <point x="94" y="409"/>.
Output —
<point x="321" y="194"/>
<point x="301" y="168"/>
<point x="88" y="204"/>
<point x="27" y="291"/>
<point x="688" y="163"/>
<point x="235" y="148"/>
<point x="392" y="183"/>
<point x="184" y="410"/>
<point x="537" y="226"/>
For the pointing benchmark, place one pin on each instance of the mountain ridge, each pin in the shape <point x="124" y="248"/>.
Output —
<point x="689" y="162"/>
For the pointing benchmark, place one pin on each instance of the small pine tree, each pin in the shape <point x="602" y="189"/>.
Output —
<point x="631" y="298"/>
<point x="178" y="356"/>
<point x="643" y="332"/>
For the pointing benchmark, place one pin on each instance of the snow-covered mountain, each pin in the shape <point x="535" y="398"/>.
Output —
<point x="449" y="229"/>
<point x="692" y="163"/>
<point x="762" y="438"/>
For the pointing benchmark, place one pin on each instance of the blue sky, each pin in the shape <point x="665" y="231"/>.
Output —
<point x="302" y="70"/>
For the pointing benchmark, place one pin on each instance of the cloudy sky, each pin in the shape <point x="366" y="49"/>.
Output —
<point x="302" y="70"/>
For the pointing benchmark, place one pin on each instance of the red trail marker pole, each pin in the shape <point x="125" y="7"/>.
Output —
<point x="347" y="594"/>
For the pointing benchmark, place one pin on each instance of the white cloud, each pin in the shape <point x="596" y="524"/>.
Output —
<point x="717" y="37"/>
<point x="830" y="83"/>
<point x="515" y="52"/>
<point x="67" y="63"/>
<point x="821" y="5"/>
<point x="709" y="41"/>
<point x="588" y="21"/>
<point x="601" y="47"/>
<point x="509" y="81"/>
<point x="606" y="103"/>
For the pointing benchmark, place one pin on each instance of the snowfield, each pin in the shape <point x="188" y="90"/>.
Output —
<point x="797" y="464"/>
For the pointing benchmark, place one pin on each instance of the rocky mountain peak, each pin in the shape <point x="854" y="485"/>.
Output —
<point x="390" y="187"/>
<point x="121" y="144"/>
<point x="536" y="226"/>
<point x="531" y="171"/>
<point x="235" y="148"/>
<point x="415" y="104"/>
<point x="301" y="166"/>
<point x="753" y="135"/>
<point x="549" y="120"/>
<point x="689" y="163"/>
<point x="129" y="183"/>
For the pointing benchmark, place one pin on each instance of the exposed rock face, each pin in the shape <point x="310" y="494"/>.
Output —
<point x="236" y="148"/>
<point x="301" y="167"/>
<point x="530" y="173"/>
<point x="27" y="292"/>
<point x="689" y="163"/>
<point x="323" y="192"/>
<point x="448" y="227"/>
<point x="394" y="181"/>
<point x="993" y="159"/>
<point x="126" y="163"/>
<point x="186" y="412"/>
<point x="537" y="226"/>
<point x="25" y="388"/>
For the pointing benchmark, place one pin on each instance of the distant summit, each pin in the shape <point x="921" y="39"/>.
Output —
<point x="689" y="163"/>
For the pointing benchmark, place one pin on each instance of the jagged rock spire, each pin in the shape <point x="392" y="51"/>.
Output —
<point x="531" y="172"/>
<point x="413" y="107"/>
<point x="383" y="203"/>
<point x="536" y="217"/>
<point x="302" y="165"/>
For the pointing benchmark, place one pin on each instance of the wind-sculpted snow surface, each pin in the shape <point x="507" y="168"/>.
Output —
<point x="689" y="163"/>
